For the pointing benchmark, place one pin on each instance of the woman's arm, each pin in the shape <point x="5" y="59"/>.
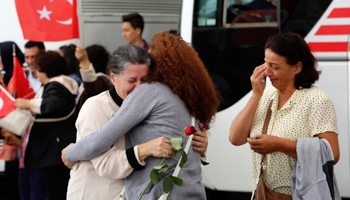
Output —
<point x="93" y="84"/>
<point x="265" y="144"/>
<point x="82" y="56"/>
<point x="332" y="138"/>
<point x="241" y="125"/>
<point x="131" y="113"/>
<point x="117" y="164"/>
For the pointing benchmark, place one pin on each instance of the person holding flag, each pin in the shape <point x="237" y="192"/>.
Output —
<point x="53" y="128"/>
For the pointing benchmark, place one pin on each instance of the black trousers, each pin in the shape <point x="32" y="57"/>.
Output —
<point x="56" y="181"/>
<point x="11" y="176"/>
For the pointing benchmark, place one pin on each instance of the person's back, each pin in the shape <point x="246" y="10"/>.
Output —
<point x="166" y="115"/>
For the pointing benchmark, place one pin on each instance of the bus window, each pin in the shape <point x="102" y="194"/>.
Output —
<point x="247" y="13"/>
<point x="231" y="53"/>
<point x="205" y="13"/>
<point x="300" y="16"/>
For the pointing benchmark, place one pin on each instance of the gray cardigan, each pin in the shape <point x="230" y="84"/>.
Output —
<point x="313" y="177"/>
<point x="152" y="110"/>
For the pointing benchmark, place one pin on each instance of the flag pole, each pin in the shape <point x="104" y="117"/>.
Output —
<point x="14" y="49"/>
<point x="14" y="93"/>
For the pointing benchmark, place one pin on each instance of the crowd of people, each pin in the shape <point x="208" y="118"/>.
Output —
<point x="102" y="121"/>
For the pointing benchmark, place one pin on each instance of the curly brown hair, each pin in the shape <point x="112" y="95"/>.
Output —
<point x="176" y="63"/>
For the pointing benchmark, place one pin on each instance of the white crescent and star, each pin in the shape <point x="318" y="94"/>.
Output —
<point x="44" y="13"/>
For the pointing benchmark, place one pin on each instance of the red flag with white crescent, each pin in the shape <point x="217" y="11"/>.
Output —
<point x="48" y="20"/>
<point x="7" y="103"/>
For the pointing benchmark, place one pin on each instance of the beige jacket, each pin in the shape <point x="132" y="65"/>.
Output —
<point x="103" y="176"/>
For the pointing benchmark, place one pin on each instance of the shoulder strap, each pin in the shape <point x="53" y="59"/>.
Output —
<point x="264" y="131"/>
<point x="178" y="168"/>
<point x="267" y="119"/>
<point x="56" y="119"/>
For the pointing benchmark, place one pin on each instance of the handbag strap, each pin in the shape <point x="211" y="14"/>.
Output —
<point x="56" y="119"/>
<point x="264" y="131"/>
<point x="178" y="168"/>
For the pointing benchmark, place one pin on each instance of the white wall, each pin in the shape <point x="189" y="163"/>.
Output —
<point x="11" y="30"/>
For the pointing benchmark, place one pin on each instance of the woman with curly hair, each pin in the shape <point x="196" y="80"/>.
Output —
<point x="179" y="87"/>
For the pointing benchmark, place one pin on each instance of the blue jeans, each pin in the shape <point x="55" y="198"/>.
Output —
<point x="31" y="184"/>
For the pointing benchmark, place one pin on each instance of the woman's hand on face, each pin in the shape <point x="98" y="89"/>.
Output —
<point x="22" y="103"/>
<point x="264" y="144"/>
<point x="200" y="141"/>
<point x="63" y="157"/>
<point x="256" y="77"/>
<point x="159" y="147"/>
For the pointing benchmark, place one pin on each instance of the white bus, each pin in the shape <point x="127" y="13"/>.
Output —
<point x="229" y="36"/>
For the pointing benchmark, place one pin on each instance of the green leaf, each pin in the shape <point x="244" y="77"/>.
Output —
<point x="168" y="138"/>
<point x="161" y="175"/>
<point x="177" y="181"/>
<point x="158" y="167"/>
<point x="154" y="177"/>
<point x="183" y="158"/>
<point x="165" y="168"/>
<point x="168" y="184"/>
<point x="176" y="143"/>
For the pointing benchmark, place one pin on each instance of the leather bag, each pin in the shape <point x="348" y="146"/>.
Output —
<point x="17" y="121"/>
<point x="262" y="192"/>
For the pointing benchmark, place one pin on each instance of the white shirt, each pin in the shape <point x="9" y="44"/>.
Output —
<point x="34" y="82"/>
<point x="307" y="113"/>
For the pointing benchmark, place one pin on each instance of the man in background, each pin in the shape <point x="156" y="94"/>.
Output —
<point x="30" y="53"/>
<point x="132" y="27"/>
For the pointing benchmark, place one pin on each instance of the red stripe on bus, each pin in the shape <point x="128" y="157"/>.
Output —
<point x="328" y="46"/>
<point x="340" y="13"/>
<point x="334" y="30"/>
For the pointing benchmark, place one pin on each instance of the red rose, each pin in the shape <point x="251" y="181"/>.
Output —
<point x="190" y="130"/>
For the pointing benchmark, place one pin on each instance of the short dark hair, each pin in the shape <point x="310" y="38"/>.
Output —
<point x="51" y="63"/>
<point x="135" y="20"/>
<point x="294" y="48"/>
<point x="31" y="44"/>
<point x="98" y="56"/>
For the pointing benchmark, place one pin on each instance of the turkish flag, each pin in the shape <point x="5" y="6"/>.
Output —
<point x="48" y="20"/>
<point x="19" y="82"/>
<point x="7" y="103"/>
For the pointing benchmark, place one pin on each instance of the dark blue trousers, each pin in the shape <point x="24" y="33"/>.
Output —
<point x="31" y="184"/>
